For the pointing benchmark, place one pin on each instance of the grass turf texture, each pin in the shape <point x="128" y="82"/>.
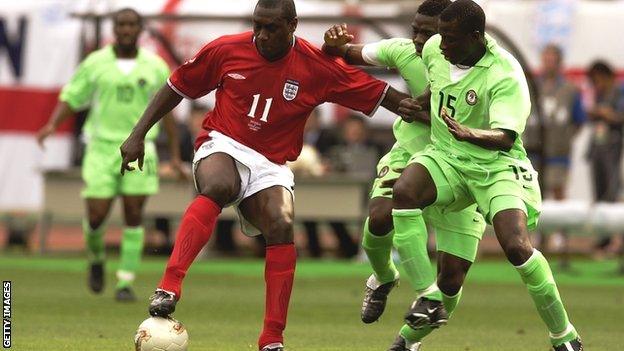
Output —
<point x="223" y="304"/>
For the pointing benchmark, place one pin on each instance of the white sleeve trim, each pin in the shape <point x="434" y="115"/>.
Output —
<point x="383" y="96"/>
<point x="369" y="54"/>
<point x="178" y="90"/>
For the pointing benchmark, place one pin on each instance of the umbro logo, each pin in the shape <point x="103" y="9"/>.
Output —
<point x="236" y="76"/>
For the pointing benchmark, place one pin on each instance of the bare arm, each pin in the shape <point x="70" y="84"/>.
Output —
<point x="607" y="114"/>
<point x="133" y="148"/>
<point x="337" y="43"/>
<point x="61" y="112"/>
<point x="403" y="105"/>
<point x="492" y="139"/>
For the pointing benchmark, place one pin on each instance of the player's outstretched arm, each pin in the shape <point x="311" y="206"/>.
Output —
<point x="492" y="139"/>
<point x="338" y="43"/>
<point x="61" y="112"/>
<point x="402" y="104"/>
<point x="133" y="149"/>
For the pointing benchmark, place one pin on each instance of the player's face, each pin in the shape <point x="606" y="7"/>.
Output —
<point x="457" y="46"/>
<point x="600" y="82"/>
<point x="127" y="29"/>
<point x="273" y="34"/>
<point x="550" y="61"/>
<point x="423" y="28"/>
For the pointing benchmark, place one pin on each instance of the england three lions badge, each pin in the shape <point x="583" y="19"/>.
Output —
<point x="291" y="87"/>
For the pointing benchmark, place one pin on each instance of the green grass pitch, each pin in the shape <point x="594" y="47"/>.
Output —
<point x="223" y="304"/>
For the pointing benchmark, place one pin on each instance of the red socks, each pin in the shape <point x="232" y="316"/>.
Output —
<point x="279" y="273"/>
<point x="195" y="229"/>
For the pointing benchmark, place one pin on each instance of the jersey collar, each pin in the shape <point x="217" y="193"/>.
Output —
<point x="488" y="59"/>
<point x="111" y="52"/>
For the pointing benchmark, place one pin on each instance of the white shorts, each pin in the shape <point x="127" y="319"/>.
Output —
<point x="256" y="171"/>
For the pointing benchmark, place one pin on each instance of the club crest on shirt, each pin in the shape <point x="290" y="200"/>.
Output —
<point x="383" y="171"/>
<point x="291" y="87"/>
<point x="471" y="97"/>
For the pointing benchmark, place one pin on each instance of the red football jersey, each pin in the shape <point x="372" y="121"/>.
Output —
<point x="264" y="105"/>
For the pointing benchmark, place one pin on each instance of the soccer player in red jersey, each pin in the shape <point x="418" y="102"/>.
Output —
<point x="267" y="82"/>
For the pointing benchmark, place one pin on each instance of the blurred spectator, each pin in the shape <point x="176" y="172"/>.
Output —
<point x="562" y="114"/>
<point x="322" y="139"/>
<point x="605" y="150"/>
<point x="312" y="162"/>
<point x="185" y="139"/>
<point x="355" y="155"/>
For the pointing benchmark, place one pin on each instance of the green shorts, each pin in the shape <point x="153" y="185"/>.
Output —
<point x="457" y="233"/>
<point x="100" y="172"/>
<point x="505" y="183"/>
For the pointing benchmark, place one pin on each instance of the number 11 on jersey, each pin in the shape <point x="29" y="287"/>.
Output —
<point x="254" y="106"/>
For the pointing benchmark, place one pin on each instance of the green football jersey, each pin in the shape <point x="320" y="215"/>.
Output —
<point x="493" y="94"/>
<point x="401" y="54"/>
<point x="117" y="100"/>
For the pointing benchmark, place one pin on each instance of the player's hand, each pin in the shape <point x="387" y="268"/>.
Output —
<point x="409" y="109"/>
<point x="389" y="183"/>
<point x="44" y="133"/>
<point x="338" y="35"/>
<point x="133" y="149"/>
<point x="459" y="131"/>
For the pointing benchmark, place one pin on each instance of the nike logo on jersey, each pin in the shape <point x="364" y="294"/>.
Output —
<point x="236" y="76"/>
<point x="190" y="61"/>
<point x="430" y="310"/>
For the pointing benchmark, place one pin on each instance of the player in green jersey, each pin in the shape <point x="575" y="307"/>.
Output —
<point x="457" y="233"/>
<point x="479" y="106"/>
<point x="116" y="82"/>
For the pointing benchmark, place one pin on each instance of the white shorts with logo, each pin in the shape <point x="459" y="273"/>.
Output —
<point x="255" y="170"/>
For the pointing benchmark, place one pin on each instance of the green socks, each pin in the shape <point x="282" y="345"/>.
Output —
<point x="131" y="250"/>
<point x="94" y="239"/>
<point x="411" y="336"/>
<point x="378" y="249"/>
<point x="410" y="239"/>
<point x="538" y="278"/>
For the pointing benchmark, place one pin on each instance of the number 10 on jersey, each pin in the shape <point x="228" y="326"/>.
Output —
<point x="254" y="106"/>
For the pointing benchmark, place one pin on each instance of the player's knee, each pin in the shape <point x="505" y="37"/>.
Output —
<point x="134" y="218"/>
<point x="517" y="251"/>
<point x="380" y="219"/>
<point x="96" y="218"/>
<point x="95" y="223"/>
<point x="404" y="195"/>
<point x="220" y="192"/>
<point x="280" y="230"/>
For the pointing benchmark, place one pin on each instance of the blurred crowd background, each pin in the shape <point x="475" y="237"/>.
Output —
<point x="570" y="49"/>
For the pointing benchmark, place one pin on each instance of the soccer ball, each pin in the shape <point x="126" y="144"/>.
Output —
<point x="161" y="334"/>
